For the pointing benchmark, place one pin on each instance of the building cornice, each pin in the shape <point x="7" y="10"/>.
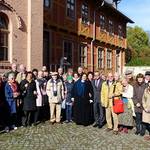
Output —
<point x="10" y="8"/>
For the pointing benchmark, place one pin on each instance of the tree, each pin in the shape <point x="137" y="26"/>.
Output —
<point x="137" y="39"/>
<point x="138" y="44"/>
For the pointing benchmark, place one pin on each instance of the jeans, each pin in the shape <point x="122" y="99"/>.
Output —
<point x="140" y="127"/>
<point x="69" y="112"/>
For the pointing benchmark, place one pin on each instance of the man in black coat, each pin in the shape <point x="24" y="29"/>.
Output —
<point x="99" y="115"/>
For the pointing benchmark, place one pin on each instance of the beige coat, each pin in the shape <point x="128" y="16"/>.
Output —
<point x="60" y="91"/>
<point x="146" y="106"/>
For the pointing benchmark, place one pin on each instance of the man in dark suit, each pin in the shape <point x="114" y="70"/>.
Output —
<point x="99" y="115"/>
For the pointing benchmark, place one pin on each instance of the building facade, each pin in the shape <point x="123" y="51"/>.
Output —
<point x="21" y="33"/>
<point x="89" y="33"/>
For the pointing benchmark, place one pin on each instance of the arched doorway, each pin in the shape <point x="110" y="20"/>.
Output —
<point x="4" y="32"/>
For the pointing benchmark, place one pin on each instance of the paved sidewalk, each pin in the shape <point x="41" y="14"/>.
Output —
<point x="69" y="137"/>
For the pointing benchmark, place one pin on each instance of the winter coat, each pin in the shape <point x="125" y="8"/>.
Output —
<point x="138" y="91"/>
<point x="9" y="94"/>
<point x="146" y="106"/>
<point x="50" y="91"/>
<point x="29" y="97"/>
<point x="41" y="91"/>
<point x="69" y="89"/>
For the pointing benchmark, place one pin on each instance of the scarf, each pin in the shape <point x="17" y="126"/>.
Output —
<point x="13" y="86"/>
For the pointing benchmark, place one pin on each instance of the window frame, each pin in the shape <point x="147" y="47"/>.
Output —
<point x="100" y="58"/>
<point x="83" y="56"/>
<point x="68" y="2"/>
<point x="120" y="31"/>
<point x="85" y="13"/>
<point x="4" y="39"/>
<point x="71" y="54"/>
<point x="102" y="22"/>
<point x="109" y="59"/>
<point x="111" y="27"/>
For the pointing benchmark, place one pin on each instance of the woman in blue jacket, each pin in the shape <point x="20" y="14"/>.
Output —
<point x="11" y="94"/>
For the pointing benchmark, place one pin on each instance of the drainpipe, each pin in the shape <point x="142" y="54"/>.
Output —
<point x="92" y="46"/>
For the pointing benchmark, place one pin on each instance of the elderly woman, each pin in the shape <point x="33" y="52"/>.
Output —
<point x="42" y="98"/>
<point x="29" y="93"/>
<point x="11" y="94"/>
<point x="146" y="111"/>
<point x="126" y="118"/>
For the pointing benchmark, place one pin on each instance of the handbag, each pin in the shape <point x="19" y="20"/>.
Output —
<point x="118" y="104"/>
<point x="63" y="105"/>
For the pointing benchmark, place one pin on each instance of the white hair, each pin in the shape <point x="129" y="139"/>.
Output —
<point x="10" y="76"/>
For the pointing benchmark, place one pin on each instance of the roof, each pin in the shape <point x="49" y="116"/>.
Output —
<point x="106" y="4"/>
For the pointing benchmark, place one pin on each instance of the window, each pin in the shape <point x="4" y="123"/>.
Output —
<point x="47" y="3"/>
<point x="71" y="8"/>
<point x="111" y="27"/>
<point x="120" y="33"/>
<point x="109" y="59"/>
<point x="3" y="38"/>
<point x="100" y="58"/>
<point x="84" y="13"/>
<point x="68" y="49"/>
<point x="83" y="55"/>
<point x="102" y="22"/>
<point x="46" y="48"/>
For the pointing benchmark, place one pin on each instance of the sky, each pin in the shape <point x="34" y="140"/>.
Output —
<point x="138" y="11"/>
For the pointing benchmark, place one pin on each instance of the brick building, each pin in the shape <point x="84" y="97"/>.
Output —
<point x="90" y="33"/>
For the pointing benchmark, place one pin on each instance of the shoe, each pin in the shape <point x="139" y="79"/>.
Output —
<point x="115" y="132"/>
<point x="125" y="130"/>
<point x="14" y="127"/>
<point x="147" y="137"/>
<point x="52" y="123"/>
<point x="136" y="133"/>
<point x="36" y="123"/>
<point x="71" y="121"/>
<point x="100" y="126"/>
<point x="120" y="129"/>
<point x="142" y="134"/>
<point x="6" y="129"/>
<point x="108" y="129"/>
<point x="95" y="125"/>
<point x="67" y="121"/>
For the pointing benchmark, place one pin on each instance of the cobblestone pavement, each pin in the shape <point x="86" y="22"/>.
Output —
<point x="69" y="137"/>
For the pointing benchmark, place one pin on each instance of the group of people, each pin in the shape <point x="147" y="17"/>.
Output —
<point x="32" y="97"/>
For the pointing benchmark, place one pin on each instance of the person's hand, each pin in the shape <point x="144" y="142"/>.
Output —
<point x="34" y="92"/>
<point x="91" y="101"/>
<point x="16" y="94"/>
<point x="65" y="92"/>
<point x="138" y="105"/>
<point x="26" y="85"/>
<point x="90" y="95"/>
<point x="72" y="99"/>
<point x="146" y="110"/>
